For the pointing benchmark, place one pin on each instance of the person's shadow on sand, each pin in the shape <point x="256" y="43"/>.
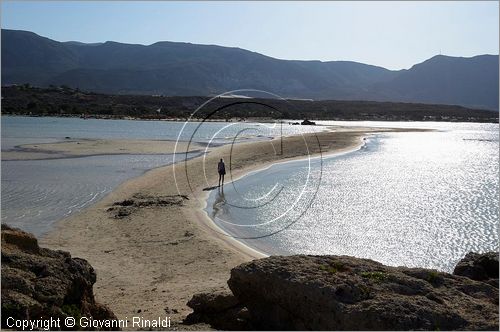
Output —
<point x="210" y="188"/>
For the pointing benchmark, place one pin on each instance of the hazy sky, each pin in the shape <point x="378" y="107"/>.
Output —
<point x="394" y="35"/>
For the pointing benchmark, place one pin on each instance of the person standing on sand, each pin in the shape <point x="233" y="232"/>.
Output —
<point x="221" y="167"/>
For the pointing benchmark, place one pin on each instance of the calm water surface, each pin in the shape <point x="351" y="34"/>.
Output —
<point x="37" y="193"/>
<point x="414" y="199"/>
<point x="17" y="130"/>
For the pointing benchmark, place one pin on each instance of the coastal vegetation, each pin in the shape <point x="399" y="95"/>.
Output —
<point x="64" y="101"/>
<point x="361" y="163"/>
<point x="185" y="69"/>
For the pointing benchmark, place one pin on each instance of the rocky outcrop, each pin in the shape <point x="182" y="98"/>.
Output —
<point x="308" y="123"/>
<point x="39" y="283"/>
<point x="219" y="309"/>
<point x="347" y="293"/>
<point x="122" y="209"/>
<point x="483" y="267"/>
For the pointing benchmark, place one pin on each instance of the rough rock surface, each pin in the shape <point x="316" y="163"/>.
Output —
<point x="482" y="267"/>
<point x="347" y="293"/>
<point x="122" y="209"/>
<point x="42" y="283"/>
<point x="220" y="309"/>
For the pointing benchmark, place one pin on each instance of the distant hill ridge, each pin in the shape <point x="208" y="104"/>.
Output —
<point x="184" y="69"/>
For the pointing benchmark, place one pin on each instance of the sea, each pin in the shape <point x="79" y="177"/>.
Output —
<point x="37" y="193"/>
<point x="404" y="199"/>
<point x="416" y="199"/>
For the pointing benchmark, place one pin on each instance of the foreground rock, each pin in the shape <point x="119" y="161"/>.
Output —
<point x="39" y="283"/>
<point x="220" y="309"/>
<point x="347" y="293"/>
<point x="483" y="267"/>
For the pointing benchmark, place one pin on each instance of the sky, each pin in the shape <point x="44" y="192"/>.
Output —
<point x="394" y="35"/>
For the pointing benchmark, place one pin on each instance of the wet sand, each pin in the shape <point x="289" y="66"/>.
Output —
<point x="155" y="258"/>
<point x="90" y="147"/>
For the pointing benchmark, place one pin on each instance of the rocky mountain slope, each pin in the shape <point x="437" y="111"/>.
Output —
<point x="184" y="69"/>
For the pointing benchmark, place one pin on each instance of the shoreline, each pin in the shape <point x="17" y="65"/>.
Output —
<point x="85" y="147"/>
<point x="251" y="120"/>
<point x="220" y="233"/>
<point x="164" y="248"/>
<point x="127" y="118"/>
<point x="219" y="230"/>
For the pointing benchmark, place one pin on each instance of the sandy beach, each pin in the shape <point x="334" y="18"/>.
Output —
<point x="91" y="147"/>
<point x="156" y="249"/>
<point x="359" y="142"/>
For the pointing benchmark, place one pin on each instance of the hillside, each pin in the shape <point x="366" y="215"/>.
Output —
<point x="184" y="69"/>
<point x="448" y="80"/>
<point x="63" y="101"/>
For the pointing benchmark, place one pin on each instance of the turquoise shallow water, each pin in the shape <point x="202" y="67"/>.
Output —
<point x="23" y="130"/>
<point x="412" y="199"/>
<point x="37" y="193"/>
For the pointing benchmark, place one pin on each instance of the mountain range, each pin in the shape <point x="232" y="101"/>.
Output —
<point x="184" y="69"/>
